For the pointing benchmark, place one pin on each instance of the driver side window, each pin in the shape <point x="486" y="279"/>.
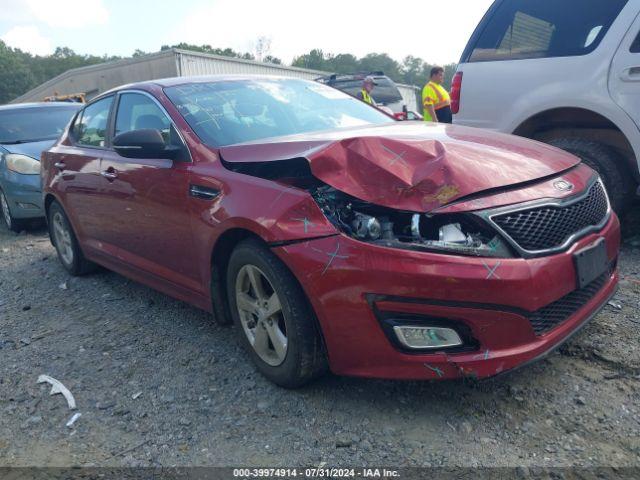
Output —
<point x="137" y="112"/>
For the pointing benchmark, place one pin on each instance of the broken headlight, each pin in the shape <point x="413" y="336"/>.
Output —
<point x="459" y="234"/>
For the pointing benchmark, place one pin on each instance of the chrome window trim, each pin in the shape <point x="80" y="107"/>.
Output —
<point x="489" y="215"/>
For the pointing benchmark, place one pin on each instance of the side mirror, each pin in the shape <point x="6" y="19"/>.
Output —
<point x="144" y="143"/>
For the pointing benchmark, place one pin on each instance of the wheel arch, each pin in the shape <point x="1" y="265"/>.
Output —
<point x="219" y="261"/>
<point x="580" y="122"/>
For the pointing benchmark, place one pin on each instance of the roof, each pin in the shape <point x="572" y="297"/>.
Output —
<point x="20" y="106"/>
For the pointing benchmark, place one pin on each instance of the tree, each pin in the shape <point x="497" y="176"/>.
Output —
<point x="380" y="62"/>
<point x="15" y="76"/>
<point x="313" y="60"/>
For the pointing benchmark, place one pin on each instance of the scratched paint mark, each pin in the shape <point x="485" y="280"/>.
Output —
<point x="437" y="370"/>
<point x="305" y="222"/>
<point x="500" y="368"/>
<point x="396" y="156"/>
<point x="442" y="196"/>
<point x="485" y="356"/>
<point x="280" y="195"/>
<point x="451" y="280"/>
<point x="492" y="270"/>
<point x="332" y="256"/>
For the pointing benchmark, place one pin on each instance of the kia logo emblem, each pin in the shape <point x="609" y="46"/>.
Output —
<point x="563" y="186"/>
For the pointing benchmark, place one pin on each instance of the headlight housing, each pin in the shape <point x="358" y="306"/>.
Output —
<point x="455" y="234"/>
<point x="22" y="164"/>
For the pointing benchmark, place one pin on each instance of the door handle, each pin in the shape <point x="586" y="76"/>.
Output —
<point x="631" y="74"/>
<point x="109" y="174"/>
<point x="60" y="165"/>
<point x="203" y="193"/>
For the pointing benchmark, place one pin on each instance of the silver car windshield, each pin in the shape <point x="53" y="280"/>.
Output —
<point x="238" y="111"/>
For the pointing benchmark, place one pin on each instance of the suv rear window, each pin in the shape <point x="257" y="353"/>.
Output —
<point x="384" y="93"/>
<point x="520" y="29"/>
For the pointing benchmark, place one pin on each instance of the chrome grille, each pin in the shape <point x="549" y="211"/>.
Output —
<point x="550" y="226"/>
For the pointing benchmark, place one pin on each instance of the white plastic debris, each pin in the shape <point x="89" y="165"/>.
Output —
<point x="63" y="286"/>
<point x="615" y="304"/>
<point x="136" y="395"/>
<point x="58" y="387"/>
<point x="73" y="419"/>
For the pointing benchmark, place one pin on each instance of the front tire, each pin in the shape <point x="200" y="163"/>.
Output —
<point x="13" y="224"/>
<point x="604" y="161"/>
<point x="273" y="318"/>
<point x="66" y="243"/>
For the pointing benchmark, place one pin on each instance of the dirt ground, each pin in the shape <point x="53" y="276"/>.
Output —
<point x="158" y="383"/>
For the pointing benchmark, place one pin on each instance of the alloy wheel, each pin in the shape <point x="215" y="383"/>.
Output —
<point x="261" y="315"/>
<point x="62" y="237"/>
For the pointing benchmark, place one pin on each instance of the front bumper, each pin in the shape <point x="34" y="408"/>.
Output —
<point x="23" y="193"/>
<point x="353" y="286"/>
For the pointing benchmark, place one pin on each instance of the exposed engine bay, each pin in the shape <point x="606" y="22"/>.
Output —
<point x="460" y="234"/>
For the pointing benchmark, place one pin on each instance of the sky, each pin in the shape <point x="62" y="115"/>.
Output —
<point x="293" y="27"/>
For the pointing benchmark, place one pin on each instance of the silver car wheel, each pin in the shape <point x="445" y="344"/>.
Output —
<point x="62" y="237"/>
<point x="261" y="315"/>
<point x="6" y="214"/>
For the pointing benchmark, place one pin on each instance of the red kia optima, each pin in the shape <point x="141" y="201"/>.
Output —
<point x="331" y="235"/>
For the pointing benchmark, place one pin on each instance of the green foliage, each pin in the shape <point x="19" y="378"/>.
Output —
<point x="412" y="70"/>
<point x="20" y="71"/>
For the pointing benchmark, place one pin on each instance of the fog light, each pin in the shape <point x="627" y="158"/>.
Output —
<point x="427" y="337"/>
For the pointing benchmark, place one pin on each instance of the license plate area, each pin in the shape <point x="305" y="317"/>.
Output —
<point x="591" y="262"/>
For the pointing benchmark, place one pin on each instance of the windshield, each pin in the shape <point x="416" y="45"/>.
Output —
<point x="237" y="111"/>
<point x="25" y="125"/>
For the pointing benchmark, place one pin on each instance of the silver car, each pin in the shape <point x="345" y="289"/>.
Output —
<point x="25" y="131"/>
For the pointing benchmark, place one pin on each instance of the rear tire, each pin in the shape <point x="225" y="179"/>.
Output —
<point x="13" y="224"/>
<point x="66" y="243"/>
<point x="286" y="347"/>
<point x="607" y="163"/>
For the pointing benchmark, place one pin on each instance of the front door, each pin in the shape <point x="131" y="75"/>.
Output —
<point x="148" y="199"/>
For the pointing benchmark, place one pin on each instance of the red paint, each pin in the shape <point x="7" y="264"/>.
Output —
<point x="145" y="225"/>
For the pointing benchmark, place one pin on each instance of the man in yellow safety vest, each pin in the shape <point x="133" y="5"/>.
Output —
<point x="435" y="99"/>
<point x="367" y="87"/>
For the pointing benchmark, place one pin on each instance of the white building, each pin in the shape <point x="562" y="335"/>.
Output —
<point x="95" y="79"/>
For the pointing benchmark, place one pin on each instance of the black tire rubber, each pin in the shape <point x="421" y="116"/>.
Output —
<point x="80" y="265"/>
<point x="306" y="359"/>
<point x="15" y="225"/>
<point x="608" y="164"/>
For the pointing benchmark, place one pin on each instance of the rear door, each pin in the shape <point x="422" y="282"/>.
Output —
<point x="624" y="78"/>
<point x="148" y="199"/>
<point x="78" y="165"/>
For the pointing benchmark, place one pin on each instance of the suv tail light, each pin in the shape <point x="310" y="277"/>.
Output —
<point x="456" y="90"/>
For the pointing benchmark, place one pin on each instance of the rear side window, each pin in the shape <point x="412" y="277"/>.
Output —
<point x="91" y="127"/>
<point x="521" y="29"/>
<point x="635" y="46"/>
<point x="137" y="112"/>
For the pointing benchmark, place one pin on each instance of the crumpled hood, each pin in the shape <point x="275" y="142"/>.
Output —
<point x="33" y="149"/>
<point x="414" y="166"/>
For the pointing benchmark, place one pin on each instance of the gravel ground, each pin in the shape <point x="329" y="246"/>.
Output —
<point x="158" y="383"/>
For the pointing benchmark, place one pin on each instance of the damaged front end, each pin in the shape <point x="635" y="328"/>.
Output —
<point x="459" y="234"/>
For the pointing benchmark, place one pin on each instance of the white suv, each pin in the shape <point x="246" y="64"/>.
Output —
<point x="563" y="72"/>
